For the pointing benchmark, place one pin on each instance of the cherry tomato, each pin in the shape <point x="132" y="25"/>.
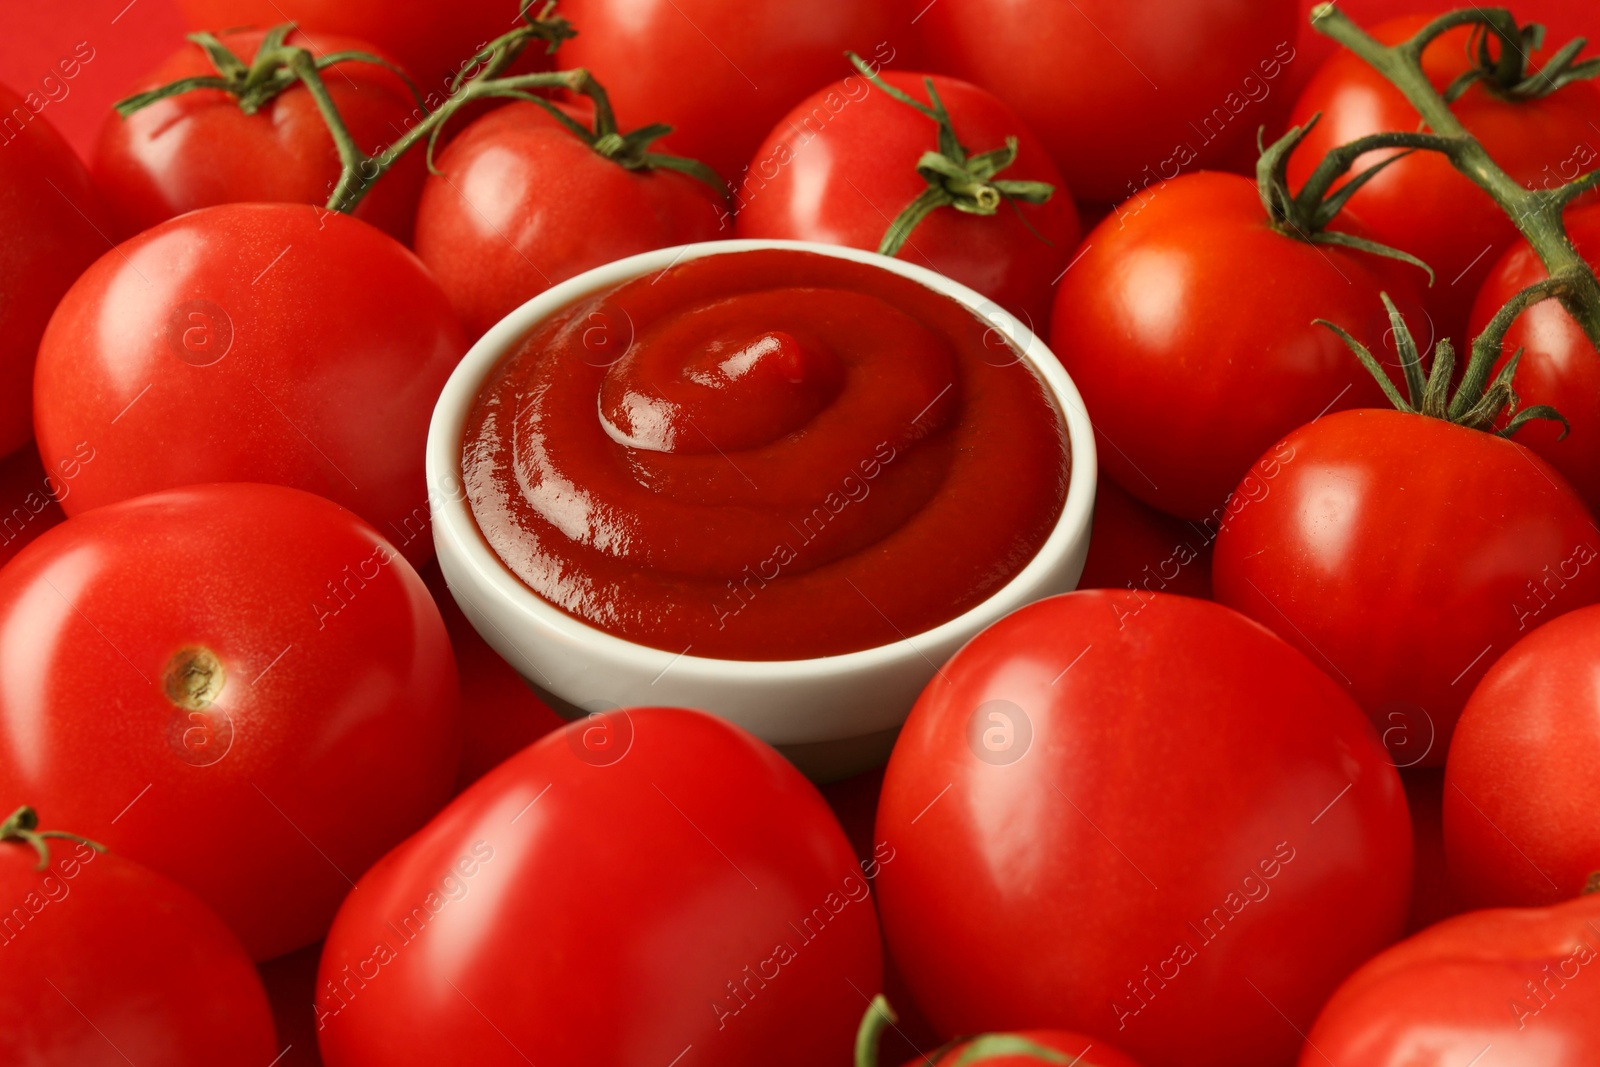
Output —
<point x="1420" y="204"/>
<point x="1135" y="815"/>
<point x="1524" y="769"/>
<point x="843" y="163"/>
<point x="252" y="342"/>
<point x="720" y="72"/>
<point x="431" y="41"/>
<point x="502" y="715"/>
<point x="28" y="501"/>
<point x="51" y="219"/>
<point x="1133" y="545"/>
<point x="1403" y="555"/>
<point x="520" y="203"/>
<point x="660" y="855"/>
<point x="1190" y="372"/>
<point x="108" y="963"/>
<point x="1507" y="988"/>
<point x="1123" y="94"/>
<point x="200" y="148"/>
<point x="1563" y="19"/>
<point x="242" y="686"/>
<point x="1559" y="366"/>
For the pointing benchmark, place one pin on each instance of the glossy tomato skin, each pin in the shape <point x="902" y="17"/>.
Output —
<point x="252" y="342"/>
<point x="332" y="729"/>
<point x="1404" y="555"/>
<point x="1509" y="986"/>
<point x="1132" y="545"/>
<point x="1081" y="1051"/>
<point x="200" y="148"/>
<point x="108" y="963"/>
<point x="1523" y="769"/>
<point x="432" y="41"/>
<point x="1115" y="812"/>
<point x="1188" y="327"/>
<point x="843" y="163"/>
<point x="721" y="72"/>
<point x="521" y="203"/>
<point x="1559" y="365"/>
<point x="52" y="221"/>
<point x="1421" y="204"/>
<point x="1187" y="79"/>
<point x="660" y="855"/>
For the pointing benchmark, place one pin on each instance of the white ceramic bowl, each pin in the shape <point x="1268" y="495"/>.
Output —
<point x="785" y="702"/>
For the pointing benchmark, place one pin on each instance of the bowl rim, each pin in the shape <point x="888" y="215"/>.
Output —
<point x="452" y="519"/>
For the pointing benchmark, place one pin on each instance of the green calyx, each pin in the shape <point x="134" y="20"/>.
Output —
<point x="631" y="150"/>
<point x="1306" y="215"/>
<point x="23" y="825"/>
<point x="1478" y="403"/>
<point x="879" y="1017"/>
<point x="275" y="67"/>
<point x="1506" y="70"/>
<point x="955" y="179"/>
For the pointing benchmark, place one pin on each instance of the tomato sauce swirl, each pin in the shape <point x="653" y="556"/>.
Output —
<point x="767" y="454"/>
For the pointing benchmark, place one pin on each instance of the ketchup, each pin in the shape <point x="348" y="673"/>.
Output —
<point x="765" y="455"/>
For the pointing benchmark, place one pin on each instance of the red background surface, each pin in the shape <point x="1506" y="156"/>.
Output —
<point x="130" y="39"/>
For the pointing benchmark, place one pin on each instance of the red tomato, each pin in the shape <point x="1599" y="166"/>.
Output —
<point x="1123" y="94"/>
<point x="1134" y="816"/>
<point x="1420" y="204"/>
<point x="1403" y="554"/>
<point x="660" y="855"/>
<point x="520" y="203"/>
<point x="1524" y="770"/>
<point x="242" y="686"/>
<point x="51" y="221"/>
<point x="431" y="40"/>
<point x="251" y="342"/>
<point x="200" y="148"/>
<point x="1075" y="1047"/>
<point x="1564" y="19"/>
<point x="843" y="163"/>
<point x="28" y="501"/>
<point x="1559" y="366"/>
<point x="720" y="72"/>
<point x="1190" y="373"/>
<point x="108" y="963"/>
<point x="1133" y="545"/>
<point x="502" y="715"/>
<point x="1503" y="988"/>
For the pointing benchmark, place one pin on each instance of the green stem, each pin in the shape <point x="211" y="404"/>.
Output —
<point x="23" y="825"/>
<point x="1537" y="213"/>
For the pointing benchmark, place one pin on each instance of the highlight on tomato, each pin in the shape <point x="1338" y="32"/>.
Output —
<point x="218" y="123"/>
<point x="1510" y="985"/>
<point x="108" y="963"/>
<point x="1534" y="111"/>
<point x="931" y="169"/>
<point x="277" y="343"/>
<point x="1524" y="766"/>
<point x="659" y="854"/>
<point x="1559" y="366"/>
<point x="1131" y="815"/>
<point x="1405" y="550"/>
<point x="243" y="687"/>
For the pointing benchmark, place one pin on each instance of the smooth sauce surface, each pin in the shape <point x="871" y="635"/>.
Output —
<point x="765" y="455"/>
